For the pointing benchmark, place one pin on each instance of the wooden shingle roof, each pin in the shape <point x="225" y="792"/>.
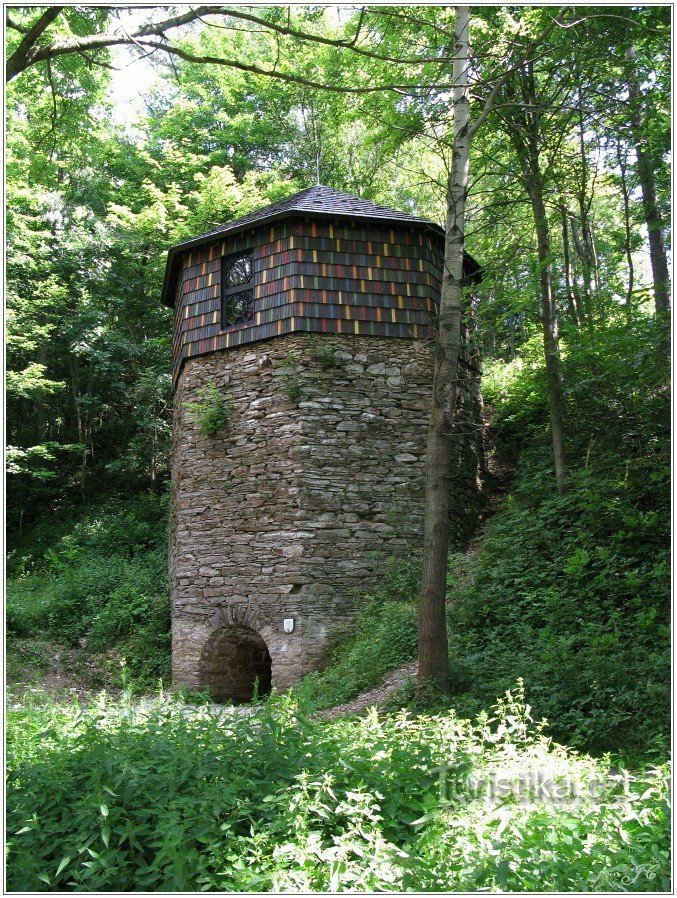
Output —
<point x="314" y="202"/>
<point x="317" y="200"/>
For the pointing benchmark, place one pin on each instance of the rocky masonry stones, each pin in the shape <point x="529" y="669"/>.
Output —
<point x="282" y="515"/>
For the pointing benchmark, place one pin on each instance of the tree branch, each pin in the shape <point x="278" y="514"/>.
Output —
<point x="327" y="41"/>
<point x="15" y="25"/>
<point x="17" y="62"/>
<point x="283" y="76"/>
<point x="28" y="53"/>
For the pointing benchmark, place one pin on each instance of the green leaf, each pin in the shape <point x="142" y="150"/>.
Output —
<point x="65" y="861"/>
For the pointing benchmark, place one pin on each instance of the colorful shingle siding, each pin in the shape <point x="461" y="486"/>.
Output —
<point x="316" y="277"/>
<point x="324" y="262"/>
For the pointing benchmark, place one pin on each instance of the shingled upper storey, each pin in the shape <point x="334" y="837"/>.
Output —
<point x="322" y="261"/>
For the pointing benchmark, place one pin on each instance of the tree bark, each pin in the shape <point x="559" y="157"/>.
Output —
<point x="433" y="660"/>
<point x="549" y="322"/>
<point x="524" y="130"/>
<point x="583" y="246"/>
<point x="622" y="165"/>
<point x="21" y="58"/>
<point x="585" y="298"/>
<point x="572" y="300"/>
<point x="647" y="182"/>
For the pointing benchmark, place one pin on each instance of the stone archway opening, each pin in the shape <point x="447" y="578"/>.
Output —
<point x="233" y="659"/>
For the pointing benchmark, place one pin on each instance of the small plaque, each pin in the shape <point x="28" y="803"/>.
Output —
<point x="289" y="625"/>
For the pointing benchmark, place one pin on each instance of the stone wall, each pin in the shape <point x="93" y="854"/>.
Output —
<point x="320" y="468"/>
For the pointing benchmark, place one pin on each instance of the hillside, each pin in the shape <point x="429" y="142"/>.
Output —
<point x="570" y="593"/>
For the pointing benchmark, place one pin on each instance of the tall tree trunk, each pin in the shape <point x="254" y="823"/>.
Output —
<point x="622" y="165"/>
<point x="572" y="299"/>
<point x="549" y="321"/>
<point x="647" y="183"/>
<point x="82" y="435"/>
<point x="433" y="660"/>
<point x="584" y="245"/>
<point x="524" y="131"/>
<point x="595" y="272"/>
<point x="581" y="252"/>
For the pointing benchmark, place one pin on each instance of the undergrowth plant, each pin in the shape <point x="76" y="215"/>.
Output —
<point x="325" y="354"/>
<point x="291" y="385"/>
<point x="382" y="637"/>
<point x="211" y="411"/>
<point x="572" y="592"/>
<point x="100" y="587"/>
<point x="171" y="798"/>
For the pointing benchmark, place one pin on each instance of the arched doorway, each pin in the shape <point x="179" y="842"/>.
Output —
<point x="233" y="658"/>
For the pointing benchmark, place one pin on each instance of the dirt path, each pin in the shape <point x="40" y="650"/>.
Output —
<point x="378" y="695"/>
<point x="36" y="665"/>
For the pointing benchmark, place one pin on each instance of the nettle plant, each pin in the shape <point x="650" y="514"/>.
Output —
<point x="211" y="411"/>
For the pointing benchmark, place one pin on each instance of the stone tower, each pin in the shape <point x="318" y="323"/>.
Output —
<point x="313" y="319"/>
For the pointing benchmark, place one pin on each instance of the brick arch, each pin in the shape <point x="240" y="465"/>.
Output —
<point x="242" y="615"/>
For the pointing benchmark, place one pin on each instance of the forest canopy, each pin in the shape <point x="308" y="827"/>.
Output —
<point x="94" y="202"/>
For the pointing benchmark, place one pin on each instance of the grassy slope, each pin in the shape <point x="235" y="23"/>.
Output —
<point x="94" y="585"/>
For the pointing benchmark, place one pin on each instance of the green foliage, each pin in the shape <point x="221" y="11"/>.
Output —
<point x="211" y="411"/>
<point x="292" y="389"/>
<point x="325" y="354"/>
<point x="569" y="592"/>
<point x="99" y="583"/>
<point x="290" y="383"/>
<point x="173" y="798"/>
<point x="383" y="637"/>
<point x="572" y="592"/>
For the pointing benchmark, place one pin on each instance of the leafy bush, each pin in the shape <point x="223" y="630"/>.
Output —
<point x="291" y="387"/>
<point x="326" y="354"/>
<point x="172" y="798"/>
<point x="122" y="526"/>
<point x="211" y="411"/>
<point x="103" y="583"/>
<point x="572" y="592"/>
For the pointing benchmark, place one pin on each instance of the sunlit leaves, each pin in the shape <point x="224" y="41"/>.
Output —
<point x="281" y="802"/>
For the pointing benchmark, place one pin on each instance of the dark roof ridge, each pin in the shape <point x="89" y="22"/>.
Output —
<point x="312" y="200"/>
<point x="318" y="201"/>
